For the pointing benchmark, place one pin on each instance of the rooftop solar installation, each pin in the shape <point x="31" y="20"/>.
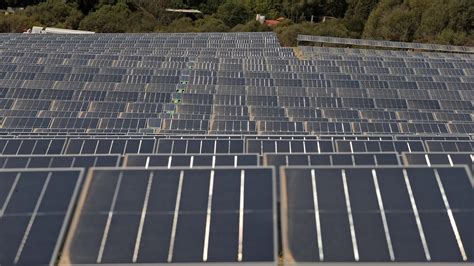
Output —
<point x="203" y="148"/>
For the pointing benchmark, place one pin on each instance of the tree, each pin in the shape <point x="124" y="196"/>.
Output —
<point x="210" y="24"/>
<point x="140" y="21"/>
<point x="52" y="13"/>
<point x="19" y="3"/>
<point x="251" y="26"/>
<point x="448" y="36"/>
<point x="85" y="5"/>
<point x="360" y="9"/>
<point x="335" y="8"/>
<point x="461" y="14"/>
<point x="399" y="25"/>
<point x="17" y="22"/>
<point x="421" y="20"/>
<point x="107" y="19"/>
<point x="184" y="24"/>
<point x="232" y="13"/>
<point x="331" y="27"/>
<point x="300" y="10"/>
<point x="376" y="19"/>
<point x="433" y="21"/>
<point x="288" y="34"/>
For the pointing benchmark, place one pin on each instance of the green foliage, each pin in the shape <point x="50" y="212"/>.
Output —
<point x="450" y="37"/>
<point x="433" y="21"/>
<point x="18" y="3"/>
<point x="210" y="24"/>
<point x="107" y="19"/>
<point x="301" y="10"/>
<point x="398" y="25"/>
<point x="287" y="35"/>
<point x="232" y="13"/>
<point x="251" y="26"/>
<point x="441" y="21"/>
<point x="55" y="13"/>
<point x="335" y="8"/>
<point x="297" y="10"/>
<point x="360" y="9"/>
<point x="379" y="18"/>
<point x="141" y="22"/>
<point x="84" y="5"/>
<point x="461" y="14"/>
<point x="52" y="13"/>
<point x="332" y="27"/>
<point x="355" y="26"/>
<point x="184" y="24"/>
<point x="15" y="23"/>
<point x="284" y="23"/>
<point x="447" y="21"/>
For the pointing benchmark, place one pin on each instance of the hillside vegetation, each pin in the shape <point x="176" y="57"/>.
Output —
<point x="434" y="21"/>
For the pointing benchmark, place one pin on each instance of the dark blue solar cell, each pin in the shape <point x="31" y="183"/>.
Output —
<point x="223" y="237"/>
<point x="36" y="208"/>
<point x="195" y="222"/>
<point x="155" y="238"/>
<point x="336" y="237"/>
<point x="371" y="239"/>
<point x="361" y="190"/>
<point x="330" y="190"/>
<point x="405" y="236"/>
<point x="121" y="238"/>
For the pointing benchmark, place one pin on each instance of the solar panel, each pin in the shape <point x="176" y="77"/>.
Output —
<point x="36" y="207"/>
<point x="376" y="214"/>
<point x="200" y="146"/>
<point x="175" y="215"/>
<point x="289" y="146"/>
<point x="331" y="159"/>
<point x="58" y="161"/>
<point x="109" y="146"/>
<point x="439" y="158"/>
<point x="378" y="146"/>
<point x="450" y="146"/>
<point x="385" y="44"/>
<point x="192" y="103"/>
<point x="31" y="146"/>
<point x="191" y="160"/>
<point x="432" y="137"/>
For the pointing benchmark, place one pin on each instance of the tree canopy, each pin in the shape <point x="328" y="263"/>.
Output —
<point x="438" y="21"/>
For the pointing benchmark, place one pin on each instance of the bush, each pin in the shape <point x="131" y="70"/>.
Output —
<point x="54" y="13"/>
<point x="398" y="25"/>
<point x="210" y="24"/>
<point x="450" y="37"/>
<point x="288" y="35"/>
<point x="141" y="22"/>
<point x="107" y="19"/>
<point x="332" y="27"/>
<point x="184" y="24"/>
<point x="232" y="13"/>
<point x="17" y="22"/>
<point x="251" y="26"/>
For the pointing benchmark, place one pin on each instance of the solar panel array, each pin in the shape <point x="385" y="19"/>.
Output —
<point x="386" y="44"/>
<point x="228" y="148"/>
